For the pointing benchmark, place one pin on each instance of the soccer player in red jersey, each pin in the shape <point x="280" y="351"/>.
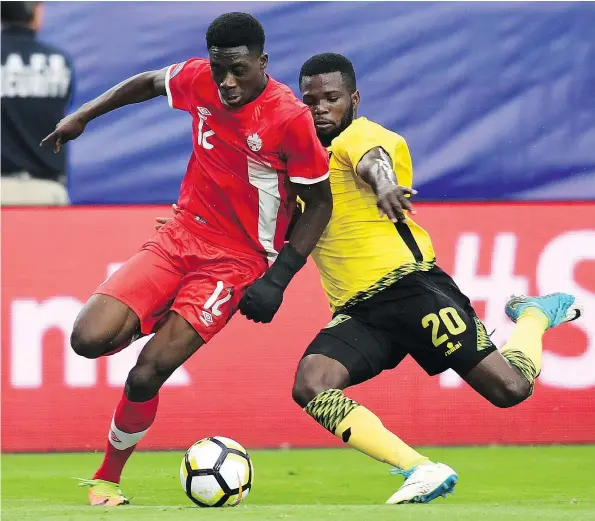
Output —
<point x="255" y="149"/>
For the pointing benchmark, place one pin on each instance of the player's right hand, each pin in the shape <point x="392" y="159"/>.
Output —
<point x="161" y="221"/>
<point x="67" y="129"/>
<point x="392" y="201"/>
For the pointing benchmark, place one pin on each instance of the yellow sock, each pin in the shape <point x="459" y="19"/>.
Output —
<point x="362" y="429"/>
<point x="524" y="348"/>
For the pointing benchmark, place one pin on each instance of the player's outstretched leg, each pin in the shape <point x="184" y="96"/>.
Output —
<point x="318" y="389"/>
<point x="175" y="341"/>
<point x="506" y="378"/>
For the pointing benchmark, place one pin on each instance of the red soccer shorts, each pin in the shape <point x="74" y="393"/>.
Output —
<point x="178" y="271"/>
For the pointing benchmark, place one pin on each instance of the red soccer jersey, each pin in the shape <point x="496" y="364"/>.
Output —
<point x="237" y="185"/>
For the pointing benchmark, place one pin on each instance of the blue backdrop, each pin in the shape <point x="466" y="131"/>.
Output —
<point x="496" y="100"/>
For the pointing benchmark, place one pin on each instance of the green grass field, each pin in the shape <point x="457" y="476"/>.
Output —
<point x="512" y="483"/>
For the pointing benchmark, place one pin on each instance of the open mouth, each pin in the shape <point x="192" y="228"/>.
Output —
<point x="231" y="99"/>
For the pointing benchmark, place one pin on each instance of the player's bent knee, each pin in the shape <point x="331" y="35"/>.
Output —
<point x="308" y="384"/>
<point x="143" y="383"/>
<point x="512" y="392"/>
<point x="518" y="390"/>
<point x="305" y="391"/>
<point x="316" y="375"/>
<point x="103" y="325"/>
<point x="87" y="343"/>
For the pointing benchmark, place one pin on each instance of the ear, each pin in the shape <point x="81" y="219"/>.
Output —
<point x="355" y="99"/>
<point x="264" y="61"/>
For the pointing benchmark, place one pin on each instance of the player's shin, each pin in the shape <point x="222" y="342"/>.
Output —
<point x="524" y="347"/>
<point x="362" y="429"/>
<point x="130" y="423"/>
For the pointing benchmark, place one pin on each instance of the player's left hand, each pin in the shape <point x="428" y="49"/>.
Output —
<point x="392" y="201"/>
<point x="261" y="300"/>
<point x="161" y="221"/>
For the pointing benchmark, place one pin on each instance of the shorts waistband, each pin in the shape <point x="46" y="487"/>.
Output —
<point x="388" y="280"/>
<point x="192" y="224"/>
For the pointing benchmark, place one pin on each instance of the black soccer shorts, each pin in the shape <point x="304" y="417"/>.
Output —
<point x="424" y="314"/>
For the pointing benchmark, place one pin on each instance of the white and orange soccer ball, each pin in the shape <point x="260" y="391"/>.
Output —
<point x="216" y="472"/>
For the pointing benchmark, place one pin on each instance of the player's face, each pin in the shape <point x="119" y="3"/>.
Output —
<point x="333" y="107"/>
<point x="238" y="73"/>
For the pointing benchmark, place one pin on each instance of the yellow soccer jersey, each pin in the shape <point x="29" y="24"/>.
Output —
<point x="361" y="252"/>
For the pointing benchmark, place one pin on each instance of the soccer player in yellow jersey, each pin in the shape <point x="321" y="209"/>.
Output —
<point x="388" y="297"/>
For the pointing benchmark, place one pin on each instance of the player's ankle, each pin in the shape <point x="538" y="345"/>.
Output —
<point x="418" y="463"/>
<point x="426" y="461"/>
<point x="535" y="314"/>
<point x="106" y="477"/>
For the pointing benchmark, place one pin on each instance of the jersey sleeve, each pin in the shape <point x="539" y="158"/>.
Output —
<point x="402" y="164"/>
<point x="307" y="159"/>
<point x="179" y="80"/>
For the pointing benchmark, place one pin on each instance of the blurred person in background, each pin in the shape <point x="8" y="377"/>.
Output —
<point x="36" y="90"/>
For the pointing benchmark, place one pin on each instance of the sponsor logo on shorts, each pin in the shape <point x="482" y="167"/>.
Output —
<point x="199" y="219"/>
<point x="339" y="319"/>
<point x="113" y="437"/>
<point x="207" y="318"/>
<point x="451" y="348"/>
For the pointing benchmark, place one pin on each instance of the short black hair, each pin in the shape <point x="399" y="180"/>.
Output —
<point x="17" y="12"/>
<point x="234" y="30"/>
<point x="330" y="62"/>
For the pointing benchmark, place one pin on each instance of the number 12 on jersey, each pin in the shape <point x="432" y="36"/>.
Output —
<point x="203" y="135"/>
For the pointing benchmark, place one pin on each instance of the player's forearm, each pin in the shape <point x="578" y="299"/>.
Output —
<point x="139" y="88"/>
<point x="305" y="235"/>
<point x="316" y="215"/>
<point x="375" y="168"/>
<point x="310" y="225"/>
<point x="307" y="232"/>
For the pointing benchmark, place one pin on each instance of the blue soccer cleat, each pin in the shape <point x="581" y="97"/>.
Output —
<point x="557" y="307"/>
<point x="424" y="484"/>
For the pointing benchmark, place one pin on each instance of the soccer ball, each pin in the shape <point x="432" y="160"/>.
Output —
<point x="216" y="472"/>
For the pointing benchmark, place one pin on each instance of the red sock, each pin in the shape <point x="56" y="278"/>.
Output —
<point x="130" y="423"/>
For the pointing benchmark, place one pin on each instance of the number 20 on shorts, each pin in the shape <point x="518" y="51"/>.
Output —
<point x="451" y="320"/>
